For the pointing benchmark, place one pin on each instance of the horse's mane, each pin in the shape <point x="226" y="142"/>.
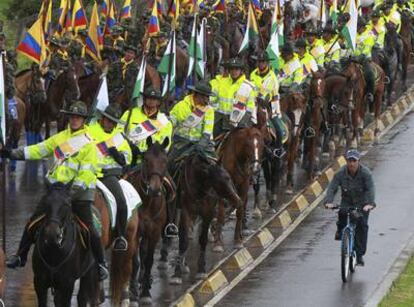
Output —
<point x="22" y="72"/>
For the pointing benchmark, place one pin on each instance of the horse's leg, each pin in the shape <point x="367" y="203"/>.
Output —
<point x="291" y="155"/>
<point x="63" y="296"/>
<point x="89" y="289"/>
<point x="176" y="279"/>
<point x="166" y="243"/>
<point x="41" y="291"/>
<point x="218" y="240"/>
<point x="207" y="216"/>
<point x="133" y="281"/>
<point x="145" y="295"/>
<point x="256" y="187"/>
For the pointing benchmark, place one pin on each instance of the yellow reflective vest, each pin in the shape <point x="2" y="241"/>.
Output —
<point x="291" y="72"/>
<point x="103" y="142"/>
<point x="185" y="112"/>
<point x="79" y="168"/>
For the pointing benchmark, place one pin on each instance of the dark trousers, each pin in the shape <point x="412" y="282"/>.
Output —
<point x="361" y="230"/>
<point x="112" y="183"/>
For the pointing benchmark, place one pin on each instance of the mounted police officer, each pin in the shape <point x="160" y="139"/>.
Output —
<point x="75" y="160"/>
<point x="234" y="104"/>
<point x="306" y="59"/>
<point x="290" y="70"/>
<point x="111" y="164"/>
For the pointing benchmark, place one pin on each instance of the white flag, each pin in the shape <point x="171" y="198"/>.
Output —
<point x="102" y="100"/>
<point x="2" y="103"/>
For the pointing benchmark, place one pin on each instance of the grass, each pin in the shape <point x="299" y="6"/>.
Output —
<point x="402" y="292"/>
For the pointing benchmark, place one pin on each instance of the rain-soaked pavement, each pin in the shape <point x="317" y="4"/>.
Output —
<point x="305" y="269"/>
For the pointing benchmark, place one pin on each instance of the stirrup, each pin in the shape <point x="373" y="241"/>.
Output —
<point x="171" y="230"/>
<point x="120" y="240"/>
<point x="310" y="132"/>
<point x="279" y="153"/>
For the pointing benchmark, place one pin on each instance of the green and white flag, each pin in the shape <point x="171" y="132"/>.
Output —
<point x="272" y="49"/>
<point x="167" y="66"/>
<point x="2" y="103"/>
<point x="322" y="13"/>
<point x="333" y="12"/>
<point x="195" y="51"/>
<point x="102" y="99"/>
<point x="201" y="63"/>
<point x="350" y="30"/>
<point x="140" y="81"/>
<point x="252" y="30"/>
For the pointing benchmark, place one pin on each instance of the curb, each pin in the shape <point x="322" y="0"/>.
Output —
<point x="398" y="266"/>
<point x="232" y="269"/>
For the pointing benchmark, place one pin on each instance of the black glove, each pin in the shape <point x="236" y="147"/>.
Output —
<point x="204" y="142"/>
<point x="5" y="153"/>
<point x="118" y="157"/>
<point x="135" y="152"/>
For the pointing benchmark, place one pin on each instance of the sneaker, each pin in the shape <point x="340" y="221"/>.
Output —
<point x="171" y="230"/>
<point x="120" y="244"/>
<point x="337" y="236"/>
<point x="14" y="262"/>
<point x="103" y="272"/>
<point x="360" y="261"/>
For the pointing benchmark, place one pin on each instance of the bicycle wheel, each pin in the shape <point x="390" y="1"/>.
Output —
<point x="345" y="255"/>
<point x="353" y="261"/>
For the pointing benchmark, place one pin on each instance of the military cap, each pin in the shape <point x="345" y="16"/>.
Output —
<point x="300" y="43"/>
<point x="287" y="49"/>
<point x="235" y="63"/>
<point x="151" y="92"/>
<point x="78" y="108"/>
<point x="202" y="88"/>
<point x="112" y="112"/>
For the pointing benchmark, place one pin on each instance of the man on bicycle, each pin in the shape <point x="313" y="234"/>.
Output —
<point x="358" y="191"/>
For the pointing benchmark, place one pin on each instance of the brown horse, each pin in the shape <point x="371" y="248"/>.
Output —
<point x="338" y="110"/>
<point x="121" y="262"/>
<point x="293" y="104"/>
<point x="149" y="183"/>
<point x="201" y="184"/>
<point x="241" y="155"/>
<point x="30" y="97"/>
<point x="354" y="71"/>
<point x="313" y="122"/>
<point x="60" y="94"/>
<point x="234" y="35"/>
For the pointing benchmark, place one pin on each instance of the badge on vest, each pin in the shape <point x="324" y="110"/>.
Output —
<point x="71" y="146"/>
<point x="194" y="118"/>
<point x="147" y="128"/>
<point x="114" y="141"/>
<point x="239" y="109"/>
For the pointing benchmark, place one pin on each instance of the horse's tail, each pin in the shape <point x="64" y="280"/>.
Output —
<point x="121" y="267"/>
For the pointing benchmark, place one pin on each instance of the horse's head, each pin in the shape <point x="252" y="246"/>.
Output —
<point x="154" y="166"/>
<point x="296" y="103"/>
<point x="317" y="84"/>
<point x="37" y="89"/>
<point x="249" y="147"/>
<point x="70" y="83"/>
<point x="58" y="212"/>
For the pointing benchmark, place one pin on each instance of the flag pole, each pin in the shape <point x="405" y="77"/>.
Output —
<point x="4" y="168"/>
<point x="195" y="51"/>
<point x="204" y="53"/>
<point x="257" y="23"/>
<point x="170" y="63"/>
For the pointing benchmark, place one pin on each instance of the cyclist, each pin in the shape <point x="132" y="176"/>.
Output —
<point x="357" y="190"/>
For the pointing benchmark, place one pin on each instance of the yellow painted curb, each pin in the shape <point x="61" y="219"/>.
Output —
<point x="299" y="204"/>
<point x="214" y="283"/>
<point x="313" y="191"/>
<point x="283" y="220"/>
<point x="187" y="301"/>
<point x="396" y="110"/>
<point x="368" y="136"/>
<point x="339" y="163"/>
<point x="326" y="177"/>
<point x="404" y="102"/>
<point x="387" y="119"/>
<point x="263" y="239"/>
<point x="239" y="260"/>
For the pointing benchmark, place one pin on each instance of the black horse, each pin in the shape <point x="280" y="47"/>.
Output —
<point x="61" y="255"/>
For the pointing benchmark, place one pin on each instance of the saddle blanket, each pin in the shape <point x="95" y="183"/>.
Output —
<point x="132" y="198"/>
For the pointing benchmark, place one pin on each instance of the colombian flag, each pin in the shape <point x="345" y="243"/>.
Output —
<point x="174" y="11"/>
<point x="62" y="15"/>
<point x="94" y="41"/>
<point x="126" y="10"/>
<point x="33" y="44"/>
<point x="104" y="8"/>
<point x="154" y="25"/>
<point x="220" y="6"/>
<point x="68" y="18"/>
<point x="79" y="20"/>
<point x="257" y="7"/>
<point x="110" y="18"/>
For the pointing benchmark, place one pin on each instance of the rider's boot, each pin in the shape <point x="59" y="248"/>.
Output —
<point x="20" y="259"/>
<point x="120" y="242"/>
<point x="98" y="253"/>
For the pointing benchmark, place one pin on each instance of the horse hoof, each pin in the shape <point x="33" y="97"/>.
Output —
<point x="271" y="210"/>
<point x="318" y="173"/>
<point x="238" y="245"/>
<point x="146" y="300"/>
<point x="185" y="269"/>
<point x="233" y="215"/>
<point x="210" y="236"/>
<point x="163" y="265"/>
<point x="289" y="191"/>
<point x="246" y="232"/>
<point x="176" y="281"/>
<point x="218" y="249"/>
<point x="133" y="304"/>
<point x="257" y="214"/>
<point x="201" y="276"/>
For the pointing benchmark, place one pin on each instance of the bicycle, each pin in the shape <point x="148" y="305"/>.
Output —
<point x="348" y="252"/>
